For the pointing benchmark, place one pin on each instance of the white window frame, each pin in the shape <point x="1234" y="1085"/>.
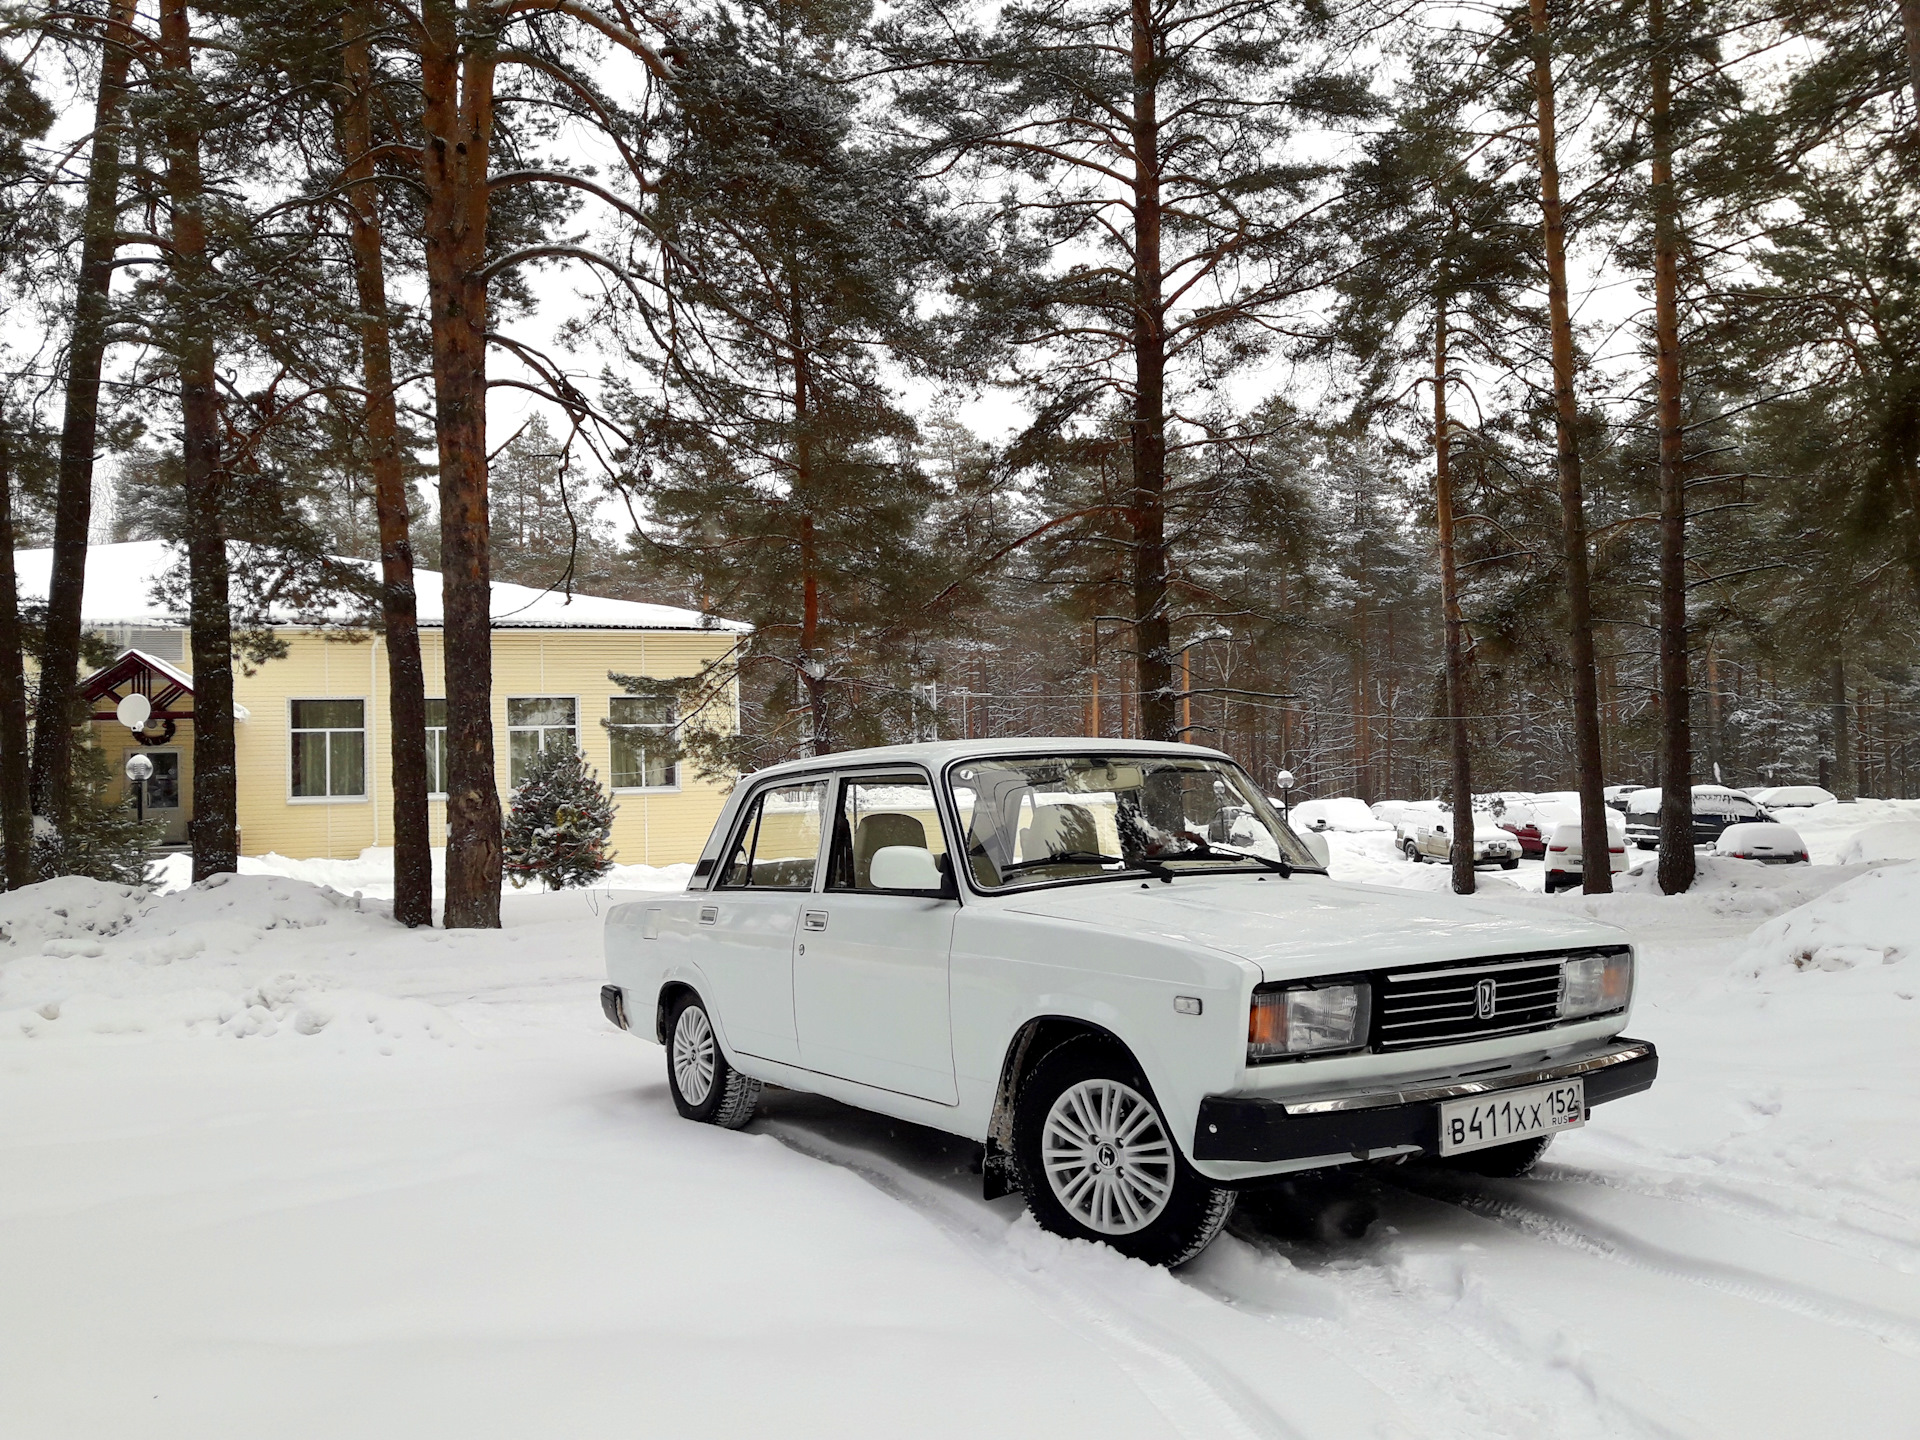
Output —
<point x="433" y="794"/>
<point x="613" y="725"/>
<point x="511" y="728"/>
<point x="366" y="752"/>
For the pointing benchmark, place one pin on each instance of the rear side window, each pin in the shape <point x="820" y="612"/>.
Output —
<point x="778" y="843"/>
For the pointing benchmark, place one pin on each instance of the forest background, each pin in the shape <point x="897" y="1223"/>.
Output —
<point x="1419" y="399"/>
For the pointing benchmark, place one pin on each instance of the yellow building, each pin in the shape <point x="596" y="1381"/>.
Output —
<point x="315" y="769"/>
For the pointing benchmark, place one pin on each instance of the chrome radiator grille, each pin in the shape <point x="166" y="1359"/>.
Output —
<point x="1469" y="1002"/>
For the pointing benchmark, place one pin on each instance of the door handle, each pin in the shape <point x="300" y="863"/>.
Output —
<point x="813" y="919"/>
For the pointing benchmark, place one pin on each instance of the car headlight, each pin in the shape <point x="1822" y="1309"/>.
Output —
<point x="1596" y="984"/>
<point x="1307" y="1020"/>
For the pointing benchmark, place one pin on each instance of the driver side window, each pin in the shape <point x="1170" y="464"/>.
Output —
<point x="877" y="812"/>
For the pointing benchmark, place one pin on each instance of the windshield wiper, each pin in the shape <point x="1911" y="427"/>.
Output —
<point x="1206" y="849"/>
<point x="1143" y="866"/>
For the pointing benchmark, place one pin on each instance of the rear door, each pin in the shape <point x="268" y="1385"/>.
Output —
<point x="753" y="913"/>
<point x="870" y="969"/>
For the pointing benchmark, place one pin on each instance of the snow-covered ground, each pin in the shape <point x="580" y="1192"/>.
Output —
<point x="270" y="1165"/>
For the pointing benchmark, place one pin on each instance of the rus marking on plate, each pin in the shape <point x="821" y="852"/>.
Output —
<point x="1483" y="1000"/>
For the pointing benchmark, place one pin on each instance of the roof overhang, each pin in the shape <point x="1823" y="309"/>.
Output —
<point x="168" y="688"/>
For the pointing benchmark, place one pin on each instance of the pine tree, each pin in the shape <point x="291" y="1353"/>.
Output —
<point x="776" y="460"/>
<point x="559" y="823"/>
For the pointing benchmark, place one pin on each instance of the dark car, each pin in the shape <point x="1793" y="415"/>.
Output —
<point x="1714" y="808"/>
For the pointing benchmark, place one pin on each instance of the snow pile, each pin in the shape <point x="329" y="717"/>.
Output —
<point x="1889" y="840"/>
<point x="226" y="957"/>
<point x="370" y="873"/>
<point x="67" y="916"/>
<point x="1341" y="812"/>
<point x="1873" y="919"/>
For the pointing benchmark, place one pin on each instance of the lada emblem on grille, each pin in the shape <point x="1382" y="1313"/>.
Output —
<point x="1483" y="999"/>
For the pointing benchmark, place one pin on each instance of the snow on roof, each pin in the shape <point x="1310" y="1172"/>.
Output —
<point x="121" y="580"/>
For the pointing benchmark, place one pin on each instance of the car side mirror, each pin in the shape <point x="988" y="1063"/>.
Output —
<point x="905" y="867"/>
<point x="1439" y="829"/>
<point x="1317" y="843"/>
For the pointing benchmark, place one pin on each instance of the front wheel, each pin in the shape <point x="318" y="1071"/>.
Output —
<point x="1097" y="1161"/>
<point x="705" y="1087"/>
<point x="1509" y="864"/>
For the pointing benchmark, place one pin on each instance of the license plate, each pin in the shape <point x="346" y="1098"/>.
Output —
<point x="1510" y="1115"/>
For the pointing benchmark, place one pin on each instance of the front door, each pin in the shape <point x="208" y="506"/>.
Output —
<point x="166" y="800"/>
<point x="870" y="968"/>
<point x="752" y="913"/>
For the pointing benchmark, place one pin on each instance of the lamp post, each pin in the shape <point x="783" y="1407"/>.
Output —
<point x="139" y="771"/>
<point x="1284" y="779"/>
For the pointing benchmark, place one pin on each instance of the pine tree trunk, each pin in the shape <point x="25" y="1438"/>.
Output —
<point x="73" y="494"/>
<point x="812" y="676"/>
<point x="209" y="614"/>
<point x="16" y="808"/>
<point x="1842" y="783"/>
<point x="1676" y="868"/>
<point x="1598" y="878"/>
<point x="406" y="680"/>
<point x="1461" y="768"/>
<point x="1910" y="23"/>
<point x="1153" y="629"/>
<point x="458" y="93"/>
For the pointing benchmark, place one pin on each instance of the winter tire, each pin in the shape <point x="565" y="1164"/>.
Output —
<point x="1098" y="1162"/>
<point x="1509" y="864"/>
<point x="1413" y="852"/>
<point x="705" y="1087"/>
<point x="1500" y="1162"/>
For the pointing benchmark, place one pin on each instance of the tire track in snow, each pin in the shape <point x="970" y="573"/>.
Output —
<point x="1430" y="1339"/>
<point x="1541" y="1221"/>
<point x="1194" y="1394"/>
<point x="1895" y="1241"/>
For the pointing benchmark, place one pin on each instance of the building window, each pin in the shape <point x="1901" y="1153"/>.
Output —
<point x="329" y="749"/>
<point x="641" y="727"/>
<point x="538" y="723"/>
<point x="163" y="786"/>
<point x="437" y="748"/>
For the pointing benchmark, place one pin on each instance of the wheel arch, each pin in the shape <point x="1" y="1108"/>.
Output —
<point x="1036" y="1039"/>
<point x="670" y="991"/>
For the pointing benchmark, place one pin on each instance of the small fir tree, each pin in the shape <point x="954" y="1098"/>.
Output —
<point x="102" y="839"/>
<point x="559" y="824"/>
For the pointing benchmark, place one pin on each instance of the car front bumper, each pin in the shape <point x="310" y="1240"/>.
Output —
<point x="1362" y="1124"/>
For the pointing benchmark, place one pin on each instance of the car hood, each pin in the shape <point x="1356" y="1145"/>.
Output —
<point x="1311" y="925"/>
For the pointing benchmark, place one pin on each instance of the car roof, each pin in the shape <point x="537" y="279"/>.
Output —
<point x="935" y="753"/>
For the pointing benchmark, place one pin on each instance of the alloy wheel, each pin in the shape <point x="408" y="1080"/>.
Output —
<point x="693" y="1055"/>
<point x="1107" y="1157"/>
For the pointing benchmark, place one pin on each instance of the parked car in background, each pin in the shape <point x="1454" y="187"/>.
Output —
<point x="1715" y="807"/>
<point x="1566" y="863"/>
<point x="1770" y="844"/>
<point x="1037" y="945"/>
<point x="1616" y="795"/>
<point x="1526" y="831"/>
<point x="1426" y="837"/>
<point x="1794" y="797"/>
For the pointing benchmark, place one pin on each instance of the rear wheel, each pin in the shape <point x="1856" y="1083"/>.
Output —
<point x="1098" y="1162"/>
<point x="705" y="1087"/>
<point x="1413" y="851"/>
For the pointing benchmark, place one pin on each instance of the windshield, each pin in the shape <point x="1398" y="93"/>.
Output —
<point x="1052" y="818"/>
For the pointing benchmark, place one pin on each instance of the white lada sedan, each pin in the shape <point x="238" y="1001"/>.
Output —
<point x="1115" y="966"/>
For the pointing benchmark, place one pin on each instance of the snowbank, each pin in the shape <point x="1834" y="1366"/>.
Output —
<point x="1873" y="919"/>
<point x="236" y="956"/>
<point x="371" y="873"/>
<point x="1889" y="840"/>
